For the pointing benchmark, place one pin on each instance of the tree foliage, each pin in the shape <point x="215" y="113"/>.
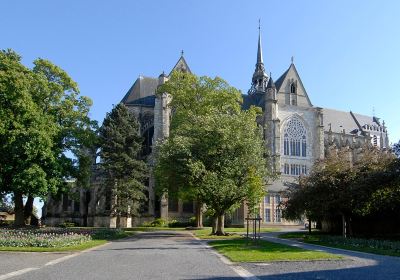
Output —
<point x="215" y="150"/>
<point x="340" y="187"/>
<point x="396" y="149"/>
<point x="124" y="173"/>
<point x="42" y="117"/>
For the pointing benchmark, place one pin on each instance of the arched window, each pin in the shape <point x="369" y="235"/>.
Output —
<point x="295" y="139"/>
<point x="292" y="88"/>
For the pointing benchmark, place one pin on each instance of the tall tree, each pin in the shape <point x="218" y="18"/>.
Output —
<point x="396" y="149"/>
<point x="337" y="186"/>
<point x="42" y="117"/>
<point x="215" y="150"/>
<point x="326" y="192"/>
<point x="124" y="173"/>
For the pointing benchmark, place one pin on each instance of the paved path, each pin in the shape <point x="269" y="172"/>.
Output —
<point x="176" y="255"/>
<point x="356" y="265"/>
<point x="153" y="255"/>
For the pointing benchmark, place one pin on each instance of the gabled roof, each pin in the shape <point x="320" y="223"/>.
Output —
<point x="351" y="122"/>
<point x="142" y="92"/>
<point x="181" y="65"/>
<point x="148" y="101"/>
<point x="280" y="80"/>
<point x="339" y="120"/>
<point x="143" y="86"/>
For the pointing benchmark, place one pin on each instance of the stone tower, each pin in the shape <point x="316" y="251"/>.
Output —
<point x="272" y="125"/>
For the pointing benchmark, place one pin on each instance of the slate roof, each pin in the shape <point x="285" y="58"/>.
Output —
<point x="351" y="122"/>
<point x="181" y="65"/>
<point x="339" y="120"/>
<point x="278" y="83"/>
<point x="148" y="101"/>
<point x="271" y="83"/>
<point x="143" y="87"/>
<point x="247" y="101"/>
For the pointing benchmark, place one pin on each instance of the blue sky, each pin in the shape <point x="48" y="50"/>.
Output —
<point x="347" y="52"/>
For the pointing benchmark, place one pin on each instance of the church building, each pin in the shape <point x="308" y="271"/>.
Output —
<point x="296" y="133"/>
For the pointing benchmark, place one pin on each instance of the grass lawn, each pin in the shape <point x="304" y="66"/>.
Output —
<point x="380" y="247"/>
<point x="233" y="233"/>
<point x="101" y="237"/>
<point x="238" y="251"/>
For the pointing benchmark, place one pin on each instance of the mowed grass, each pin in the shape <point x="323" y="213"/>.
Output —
<point x="380" y="247"/>
<point x="232" y="233"/>
<point x="237" y="250"/>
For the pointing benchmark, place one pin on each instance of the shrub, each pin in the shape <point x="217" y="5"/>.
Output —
<point x="158" y="223"/>
<point x="67" y="224"/>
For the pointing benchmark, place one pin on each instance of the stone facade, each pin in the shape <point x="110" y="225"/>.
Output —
<point x="296" y="134"/>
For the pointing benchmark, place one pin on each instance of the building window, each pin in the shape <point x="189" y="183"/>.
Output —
<point x="304" y="170"/>
<point x="267" y="217"/>
<point x="286" y="169"/>
<point x="375" y="140"/>
<point x="277" y="199"/>
<point x="107" y="201"/>
<point x="77" y="206"/>
<point x="278" y="215"/>
<point x="65" y="202"/>
<point x="295" y="139"/>
<point x="303" y="146"/>
<point x="286" y="145"/>
<point x="172" y="204"/>
<point x="292" y="88"/>
<point x="267" y="199"/>
<point x="296" y="169"/>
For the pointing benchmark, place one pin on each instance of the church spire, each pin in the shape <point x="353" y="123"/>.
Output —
<point x="260" y="78"/>
<point x="259" y="50"/>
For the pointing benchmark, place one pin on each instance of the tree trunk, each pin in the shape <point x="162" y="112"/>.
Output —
<point x="220" y="225"/>
<point x="28" y="210"/>
<point x="350" y="228"/>
<point x="199" y="215"/>
<point x="118" y="222"/>
<point x="309" y="226"/>
<point x="344" y="225"/>
<point x="19" y="210"/>
<point x="214" y="224"/>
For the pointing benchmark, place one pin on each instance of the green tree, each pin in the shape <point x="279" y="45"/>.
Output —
<point x="396" y="149"/>
<point x="339" y="186"/>
<point x="42" y="117"/>
<point x="124" y="173"/>
<point x="326" y="192"/>
<point x="215" y="150"/>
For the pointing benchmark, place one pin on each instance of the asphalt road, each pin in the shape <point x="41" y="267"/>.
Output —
<point x="177" y="255"/>
<point x="153" y="255"/>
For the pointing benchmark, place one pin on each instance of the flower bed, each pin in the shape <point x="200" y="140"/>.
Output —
<point x="42" y="238"/>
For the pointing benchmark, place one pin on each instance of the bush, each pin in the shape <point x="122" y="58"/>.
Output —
<point x="158" y="223"/>
<point x="6" y="223"/>
<point x="190" y="223"/>
<point x="67" y="224"/>
<point x="146" y="224"/>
